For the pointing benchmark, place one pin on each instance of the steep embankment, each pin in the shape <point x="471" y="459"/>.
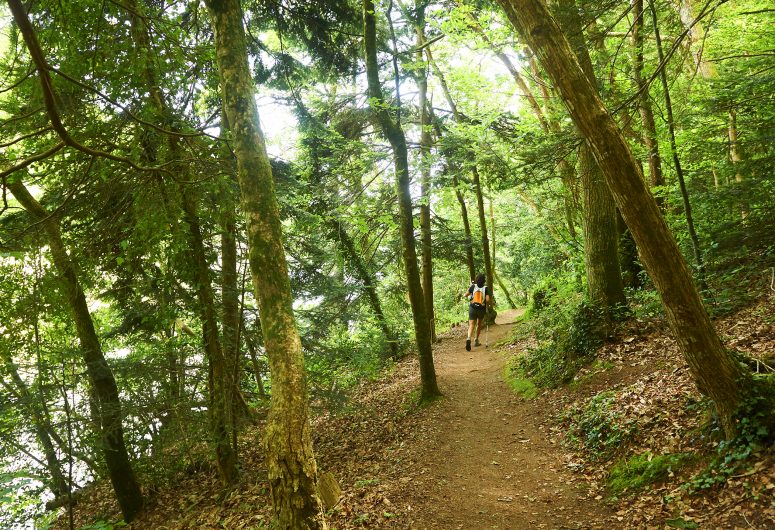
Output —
<point x="482" y="457"/>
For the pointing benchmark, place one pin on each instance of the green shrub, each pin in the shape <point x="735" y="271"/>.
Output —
<point x="518" y="381"/>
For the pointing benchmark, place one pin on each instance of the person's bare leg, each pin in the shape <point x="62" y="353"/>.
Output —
<point x="470" y="332"/>
<point x="479" y="323"/>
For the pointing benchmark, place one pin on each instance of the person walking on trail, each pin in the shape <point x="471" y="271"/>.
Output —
<point x="479" y="295"/>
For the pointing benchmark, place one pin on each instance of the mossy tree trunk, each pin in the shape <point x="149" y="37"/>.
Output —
<point x="716" y="373"/>
<point x="395" y="135"/>
<point x="108" y="405"/>
<point x="288" y="440"/>
<point x="604" y="278"/>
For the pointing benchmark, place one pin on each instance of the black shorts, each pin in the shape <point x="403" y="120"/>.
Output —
<point x="476" y="312"/>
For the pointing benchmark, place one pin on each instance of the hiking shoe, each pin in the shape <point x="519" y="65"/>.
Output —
<point x="468" y="344"/>
<point x="477" y="343"/>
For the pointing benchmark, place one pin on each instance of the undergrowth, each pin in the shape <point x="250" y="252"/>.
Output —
<point x="597" y="429"/>
<point x="643" y="470"/>
<point x="517" y="380"/>
<point x="568" y="330"/>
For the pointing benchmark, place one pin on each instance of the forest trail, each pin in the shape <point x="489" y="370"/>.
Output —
<point x="487" y="462"/>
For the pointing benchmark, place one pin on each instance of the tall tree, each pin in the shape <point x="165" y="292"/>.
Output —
<point x="674" y="150"/>
<point x="108" y="409"/>
<point x="103" y="383"/>
<point x="604" y="277"/>
<point x="290" y="458"/>
<point x="220" y="391"/>
<point x="392" y="130"/>
<point x="716" y="373"/>
<point x="426" y="142"/>
<point x="736" y="154"/>
<point x="488" y="265"/>
<point x="644" y="100"/>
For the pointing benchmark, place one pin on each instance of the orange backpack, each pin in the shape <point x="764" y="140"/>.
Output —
<point x="478" y="295"/>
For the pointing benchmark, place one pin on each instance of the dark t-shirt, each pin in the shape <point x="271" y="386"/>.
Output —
<point x="487" y="292"/>
<point x="476" y="312"/>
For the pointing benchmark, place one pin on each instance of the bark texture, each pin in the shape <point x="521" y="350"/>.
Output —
<point x="604" y="278"/>
<point x="395" y="135"/>
<point x="290" y="459"/>
<point x="716" y="373"/>
<point x="103" y="384"/>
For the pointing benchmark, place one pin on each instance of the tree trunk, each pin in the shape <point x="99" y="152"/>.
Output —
<point x="367" y="279"/>
<point x="644" y="101"/>
<point x="491" y="314"/>
<point x="395" y="135"/>
<point x="103" y="383"/>
<point x="220" y="395"/>
<point x="736" y="156"/>
<point x="290" y="458"/>
<point x="715" y="371"/>
<point x="676" y="160"/>
<point x="219" y="392"/>
<point x="696" y="38"/>
<point x="230" y="314"/>
<point x="469" y="241"/>
<point x="604" y="278"/>
<point x="425" y="175"/>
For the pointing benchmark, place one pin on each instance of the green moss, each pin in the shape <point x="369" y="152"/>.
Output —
<point x="644" y="469"/>
<point x="518" y="382"/>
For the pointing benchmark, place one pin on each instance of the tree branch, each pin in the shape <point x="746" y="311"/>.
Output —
<point x="31" y="39"/>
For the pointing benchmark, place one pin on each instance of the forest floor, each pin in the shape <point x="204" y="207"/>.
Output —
<point x="483" y="457"/>
<point x="485" y="460"/>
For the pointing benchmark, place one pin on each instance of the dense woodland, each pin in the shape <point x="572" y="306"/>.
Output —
<point x="174" y="284"/>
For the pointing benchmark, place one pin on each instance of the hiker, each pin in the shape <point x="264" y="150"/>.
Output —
<point x="479" y="295"/>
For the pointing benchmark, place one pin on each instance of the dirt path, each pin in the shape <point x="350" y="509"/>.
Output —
<point x="486" y="462"/>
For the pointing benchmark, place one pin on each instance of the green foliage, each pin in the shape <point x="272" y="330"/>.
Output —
<point x="567" y="330"/>
<point x="517" y="381"/>
<point x="644" y="469"/>
<point x="755" y="432"/>
<point x="345" y="357"/>
<point x="596" y="428"/>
